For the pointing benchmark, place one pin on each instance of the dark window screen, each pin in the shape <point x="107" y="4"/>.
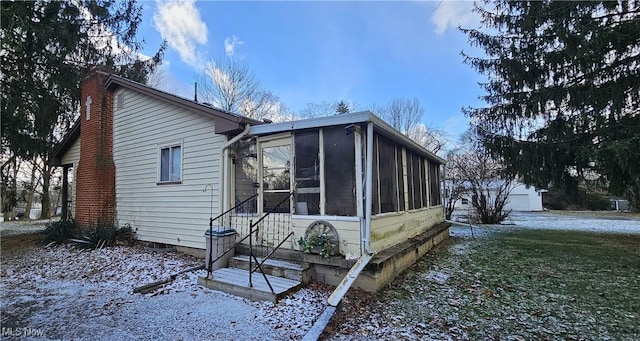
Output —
<point x="375" y="186"/>
<point x="387" y="175"/>
<point x="339" y="167"/>
<point x="307" y="172"/>
<point x="400" y="172"/>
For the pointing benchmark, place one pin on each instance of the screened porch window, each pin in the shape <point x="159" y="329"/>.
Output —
<point x="246" y="176"/>
<point x="417" y="181"/>
<point x="307" y="172"/>
<point x="171" y="164"/>
<point x="400" y="174"/>
<point x="339" y="167"/>
<point x="324" y="172"/>
<point x="434" y="184"/>
<point x="388" y="183"/>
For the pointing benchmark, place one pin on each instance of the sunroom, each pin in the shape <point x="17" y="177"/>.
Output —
<point x="351" y="180"/>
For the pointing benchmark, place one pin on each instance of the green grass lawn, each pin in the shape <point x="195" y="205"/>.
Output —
<point x="573" y="284"/>
<point x="513" y="284"/>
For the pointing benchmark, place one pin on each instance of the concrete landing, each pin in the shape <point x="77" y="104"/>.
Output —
<point x="236" y="282"/>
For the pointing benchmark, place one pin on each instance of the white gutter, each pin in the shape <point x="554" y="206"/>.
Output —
<point x="224" y="167"/>
<point x="368" y="189"/>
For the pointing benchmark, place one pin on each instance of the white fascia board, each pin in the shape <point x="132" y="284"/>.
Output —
<point x="316" y="122"/>
<point x="342" y="119"/>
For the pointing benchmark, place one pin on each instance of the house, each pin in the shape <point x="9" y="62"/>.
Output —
<point x="619" y="204"/>
<point x="521" y="198"/>
<point x="167" y="165"/>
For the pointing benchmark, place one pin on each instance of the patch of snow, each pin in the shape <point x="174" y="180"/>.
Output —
<point x="437" y="277"/>
<point x="351" y="256"/>
<point x="466" y="231"/>
<point x="13" y="227"/>
<point x="598" y="222"/>
<point x="87" y="295"/>
<point x="556" y="221"/>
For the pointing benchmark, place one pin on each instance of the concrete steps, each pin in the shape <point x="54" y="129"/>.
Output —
<point x="284" y="277"/>
<point x="297" y="271"/>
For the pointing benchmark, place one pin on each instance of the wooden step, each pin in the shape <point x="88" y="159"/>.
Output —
<point x="235" y="281"/>
<point x="296" y="271"/>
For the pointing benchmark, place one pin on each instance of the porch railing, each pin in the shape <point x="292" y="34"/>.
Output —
<point x="270" y="232"/>
<point x="265" y="235"/>
<point x="225" y="222"/>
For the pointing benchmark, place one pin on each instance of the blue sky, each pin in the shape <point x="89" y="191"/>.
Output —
<point x="309" y="52"/>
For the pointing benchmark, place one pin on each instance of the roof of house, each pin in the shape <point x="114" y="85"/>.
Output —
<point x="230" y="123"/>
<point x="226" y="122"/>
<point x="380" y="126"/>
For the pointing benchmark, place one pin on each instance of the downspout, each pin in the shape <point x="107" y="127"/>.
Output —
<point x="224" y="167"/>
<point x="342" y="288"/>
<point x="359" y="189"/>
<point x="368" y="189"/>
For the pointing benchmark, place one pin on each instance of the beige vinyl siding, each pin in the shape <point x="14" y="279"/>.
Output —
<point x="176" y="214"/>
<point x="72" y="156"/>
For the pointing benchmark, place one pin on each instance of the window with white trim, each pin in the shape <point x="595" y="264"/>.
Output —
<point x="171" y="163"/>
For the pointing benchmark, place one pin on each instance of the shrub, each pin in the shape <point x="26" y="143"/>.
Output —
<point x="103" y="234"/>
<point x="60" y="231"/>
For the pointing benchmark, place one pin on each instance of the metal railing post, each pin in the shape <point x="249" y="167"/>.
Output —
<point x="250" y="252"/>
<point x="210" y="263"/>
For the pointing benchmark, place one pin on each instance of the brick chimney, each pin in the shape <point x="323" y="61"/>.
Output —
<point x="95" y="182"/>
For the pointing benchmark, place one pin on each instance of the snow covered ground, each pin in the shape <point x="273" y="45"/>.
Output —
<point x="13" y="227"/>
<point x="603" y="222"/>
<point x="592" y="222"/>
<point x="67" y="293"/>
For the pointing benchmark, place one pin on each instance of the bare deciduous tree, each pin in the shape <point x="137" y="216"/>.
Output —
<point x="429" y="137"/>
<point x="485" y="179"/>
<point x="402" y="114"/>
<point x="327" y="109"/>
<point x="406" y="115"/>
<point x="231" y="86"/>
<point x="453" y="183"/>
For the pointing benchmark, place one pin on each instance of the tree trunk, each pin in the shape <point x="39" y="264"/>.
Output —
<point x="32" y="190"/>
<point x="633" y="195"/>
<point x="14" y="188"/>
<point x="46" y="201"/>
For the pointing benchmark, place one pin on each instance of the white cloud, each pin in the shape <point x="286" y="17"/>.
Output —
<point x="451" y="14"/>
<point x="179" y="23"/>
<point x="230" y="44"/>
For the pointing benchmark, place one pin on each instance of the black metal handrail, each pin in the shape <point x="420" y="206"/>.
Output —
<point x="253" y="229"/>
<point x="211" y="220"/>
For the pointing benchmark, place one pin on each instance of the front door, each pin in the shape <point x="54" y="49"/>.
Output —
<point x="274" y="176"/>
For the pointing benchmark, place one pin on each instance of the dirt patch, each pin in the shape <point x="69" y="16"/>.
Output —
<point x="19" y="243"/>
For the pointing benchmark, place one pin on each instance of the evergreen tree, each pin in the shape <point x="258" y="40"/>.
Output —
<point x="563" y="91"/>
<point x="342" y="108"/>
<point x="47" y="48"/>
